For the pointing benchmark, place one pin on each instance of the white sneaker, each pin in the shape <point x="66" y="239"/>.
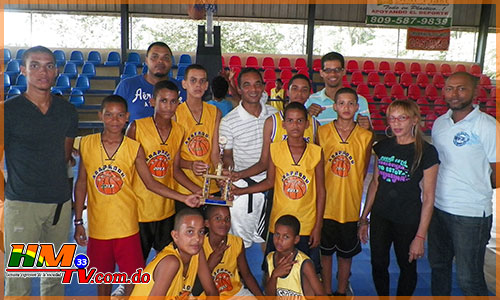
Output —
<point x="119" y="291"/>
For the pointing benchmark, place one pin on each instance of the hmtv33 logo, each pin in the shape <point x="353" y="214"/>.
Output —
<point x="41" y="260"/>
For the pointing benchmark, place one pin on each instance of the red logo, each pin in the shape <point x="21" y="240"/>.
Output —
<point x="108" y="182"/>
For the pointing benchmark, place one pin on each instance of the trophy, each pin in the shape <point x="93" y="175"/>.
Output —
<point x="224" y="199"/>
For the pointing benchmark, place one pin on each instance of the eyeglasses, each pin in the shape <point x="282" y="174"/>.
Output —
<point x="334" y="70"/>
<point x="401" y="118"/>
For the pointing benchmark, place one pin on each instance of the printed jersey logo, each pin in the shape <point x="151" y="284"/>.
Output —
<point x="142" y="96"/>
<point x="306" y="138"/>
<point x="198" y="143"/>
<point x="158" y="163"/>
<point x="108" y="179"/>
<point x="341" y="163"/>
<point x="222" y="279"/>
<point x="294" y="185"/>
<point x="461" y="138"/>
<point x="393" y="169"/>
<point x="286" y="292"/>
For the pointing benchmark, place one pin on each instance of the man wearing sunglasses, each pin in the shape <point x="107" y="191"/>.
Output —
<point x="320" y="104"/>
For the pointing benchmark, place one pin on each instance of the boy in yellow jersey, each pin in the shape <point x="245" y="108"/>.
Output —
<point x="347" y="148"/>
<point x="161" y="139"/>
<point x="174" y="270"/>
<point x="226" y="255"/>
<point x="291" y="272"/>
<point x="296" y="172"/>
<point x="108" y="161"/>
<point x="277" y="95"/>
<point x="200" y="148"/>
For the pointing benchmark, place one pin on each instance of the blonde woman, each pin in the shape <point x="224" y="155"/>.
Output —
<point x="399" y="215"/>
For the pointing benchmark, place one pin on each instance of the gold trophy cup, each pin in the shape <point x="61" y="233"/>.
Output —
<point x="224" y="199"/>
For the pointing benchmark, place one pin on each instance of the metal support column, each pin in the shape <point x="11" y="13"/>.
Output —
<point x="311" y="15"/>
<point x="125" y="36"/>
<point x="484" y="22"/>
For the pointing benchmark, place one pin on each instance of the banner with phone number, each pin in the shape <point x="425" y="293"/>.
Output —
<point x="428" y="39"/>
<point x="404" y="15"/>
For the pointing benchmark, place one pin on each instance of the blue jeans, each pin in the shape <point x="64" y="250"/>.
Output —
<point x="466" y="239"/>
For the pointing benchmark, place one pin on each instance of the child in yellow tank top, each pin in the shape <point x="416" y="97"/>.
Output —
<point x="107" y="165"/>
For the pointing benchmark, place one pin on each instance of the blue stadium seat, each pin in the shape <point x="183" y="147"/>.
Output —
<point x="174" y="65"/>
<point x="20" y="83"/>
<point x="12" y="92"/>
<point x="180" y="72"/>
<point x="113" y="59"/>
<point x="94" y="58"/>
<point x="6" y="82"/>
<point x="12" y="70"/>
<point x="62" y="83"/>
<point x="70" y="70"/>
<point x="55" y="91"/>
<point x="129" y="70"/>
<point x="134" y="58"/>
<point x="184" y="61"/>
<point x="60" y="57"/>
<point x="82" y="84"/>
<point x="88" y="70"/>
<point x="19" y="55"/>
<point x="76" y="98"/>
<point x="76" y="57"/>
<point x="7" y="56"/>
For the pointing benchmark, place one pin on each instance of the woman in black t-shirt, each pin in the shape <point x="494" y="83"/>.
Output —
<point x="398" y="214"/>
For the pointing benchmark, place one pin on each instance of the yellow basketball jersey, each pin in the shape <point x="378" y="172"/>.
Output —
<point x="160" y="159"/>
<point x="226" y="275"/>
<point x="197" y="144"/>
<point x="180" y="287"/>
<point x="295" y="185"/>
<point x="291" y="285"/>
<point x="112" y="205"/>
<point x="279" y="133"/>
<point x="344" y="171"/>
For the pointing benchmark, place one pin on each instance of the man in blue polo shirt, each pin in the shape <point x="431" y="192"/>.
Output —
<point x="138" y="90"/>
<point x="320" y="104"/>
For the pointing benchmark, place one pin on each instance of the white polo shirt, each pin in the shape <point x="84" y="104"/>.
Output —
<point x="466" y="149"/>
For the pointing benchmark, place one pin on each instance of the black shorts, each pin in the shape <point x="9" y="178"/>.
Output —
<point x="341" y="238"/>
<point x="156" y="235"/>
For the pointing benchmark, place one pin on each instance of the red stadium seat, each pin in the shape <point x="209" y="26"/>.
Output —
<point x="372" y="105"/>
<point x="234" y="61"/>
<point x="380" y="91"/>
<point x="363" y="90"/>
<point x="399" y="67"/>
<point x="373" y="79"/>
<point x="440" y="106"/>
<point x="493" y="93"/>
<point x="384" y="67"/>
<point x="368" y="66"/>
<point x="268" y="63"/>
<point x="485" y="82"/>
<point x="431" y="93"/>
<point x="423" y="104"/>
<point x="378" y="122"/>
<point x="398" y="93"/>
<point x="430" y="69"/>
<point x="384" y="104"/>
<point x="352" y="66"/>
<point x="460" y="68"/>
<point x="300" y="63"/>
<point x="286" y="75"/>
<point x="475" y="70"/>
<point x="269" y="75"/>
<point x="415" y="68"/>
<point x="445" y="70"/>
<point x="481" y="94"/>
<point x="303" y="72"/>
<point x="284" y="64"/>
<point x="317" y="64"/>
<point x="252" y="62"/>
<point x="223" y="62"/>
<point x="414" y="92"/>
<point x="390" y="79"/>
<point x="491" y="108"/>
<point x="269" y="86"/>
<point x="438" y="81"/>
<point x="422" y="80"/>
<point x="345" y="82"/>
<point x="429" y="120"/>
<point x="356" y="78"/>
<point x="406" y="79"/>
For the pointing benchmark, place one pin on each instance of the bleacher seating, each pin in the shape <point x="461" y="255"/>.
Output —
<point x="6" y="82"/>
<point x="62" y="83"/>
<point x="269" y="75"/>
<point x="384" y="67"/>
<point x="377" y="121"/>
<point x="373" y="79"/>
<point x="12" y="70"/>
<point x="430" y="69"/>
<point x="76" y="98"/>
<point x="397" y="92"/>
<point x="414" y="92"/>
<point x="284" y="64"/>
<point x="368" y="66"/>
<point x="286" y="75"/>
<point x="481" y="94"/>
<point x="252" y="62"/>
<point x="180" y="72"/>
<point x="7" y="56"/>
<point x="235" y="61"/>
<point x="20" y="83"/>
<point x="475" y="70"/>
<point x="76" y="57"/>
<point x="345" y="82"/>
<point x="363" y="90"/>
<point x="223" y="61"/>
<point x="390" y="79"/>
<point x="134" y="58"/>
<point x="415" y="68"/>
<point x="317" y="64"/>
<point x="70" y="70"/>
<point x="356" y="78"/>
<point x="113" y="59"/>
<point x="268" y="63"/>
<point x="445" y="69"/>
<point x="431" y="93"/>
<point x="399" y="68"/>
<point x="438" y="80"/>
<point x="491" y="108"/>
<point x="379" y="91"/>
<point x="384" y="104"/>
<point x="429" y="120"/>
<point x="82" y="84"/>
<point x="352" y="66"/>
<point x="422" y="80"/>
<point x="303" y="72"/>
<point x="440" y="106"/>
<point x="88" y="70"/>
<point x="300" y="63"/>
<point x="19" y="55"/>
<point x="460" y="68"/>
<point x="60" y="57"/>
<point x="94" y="57"/>
<point x="12" y="92"/>
<point x="129" y="70"/>
<point x="185" y="60"/>
<point x="424" y="106"/>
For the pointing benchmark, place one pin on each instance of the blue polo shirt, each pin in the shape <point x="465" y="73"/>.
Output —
<point x="329" y="114"/>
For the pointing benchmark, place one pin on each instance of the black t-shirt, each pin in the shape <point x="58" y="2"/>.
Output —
<point x="34" y="150"/>
<point x="398" y="193"/>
